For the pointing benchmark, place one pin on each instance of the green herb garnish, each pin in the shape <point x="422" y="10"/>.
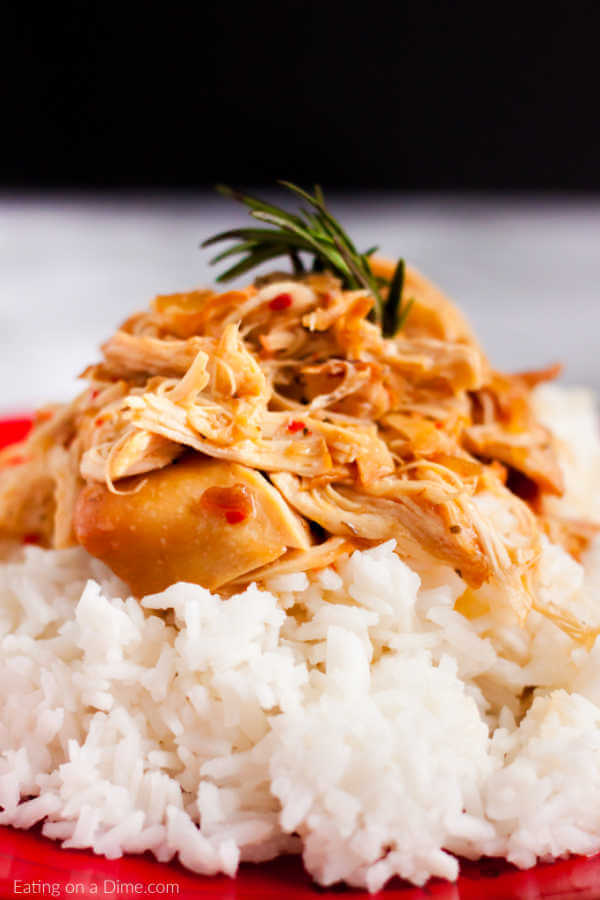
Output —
<point x="394" y="313"/>
<point x="316" y="232"/>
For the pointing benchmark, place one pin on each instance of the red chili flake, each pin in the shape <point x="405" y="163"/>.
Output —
<point x="295" y="425"/>
<point x="281" y="301"/>
<point x="235" y="516"/>
<point x="99" y="421"/>
<point x="235" y="502"/>
<point x="94" y="394"/>
<point x="439" y="424"/>
<point x="31" y="538"/>
<point x="16" y="460"/>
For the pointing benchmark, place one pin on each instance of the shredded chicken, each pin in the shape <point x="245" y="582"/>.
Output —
<point x="237" y="436"/>
<point x="573" y="534"/>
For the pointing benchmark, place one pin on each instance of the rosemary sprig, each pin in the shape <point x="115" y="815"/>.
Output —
<point x="316" y="232"/>
<point x="394" y="313"/>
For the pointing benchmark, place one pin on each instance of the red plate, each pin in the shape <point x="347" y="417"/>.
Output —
<point x="31" y="865"/>
<point x="12" y="430"/>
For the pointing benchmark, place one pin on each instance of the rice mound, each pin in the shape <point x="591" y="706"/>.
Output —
<point x="353" y="716"/>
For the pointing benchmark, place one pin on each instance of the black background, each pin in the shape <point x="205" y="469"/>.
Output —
<point x="409" y="96"/>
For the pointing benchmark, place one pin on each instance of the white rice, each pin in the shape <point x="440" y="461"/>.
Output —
<point x="354" y="716"/>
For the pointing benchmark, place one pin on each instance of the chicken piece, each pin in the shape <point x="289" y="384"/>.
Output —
<point x="27" y="504"/>
<point x="575" y="535"/>
<point x="64" y="465"/>
<point x="414" y="435"/>
<point x="532" y="377"/>
<point x="505" y="399"/>
<point x="136" y="452"/>
<point x="329" y="382"/>
<point x="427" y="361"/>
<point x="127" y="355"/>
<point x="530" y="452"/>
<point x="354" y="389"/>
<point x="319" y="556"/>
<point x="198" y="520"/>
<point x="199" y="312"/>
<point x="420" y="527"/>
<point x="182" y="314"/>
<point x="209" y="429"/>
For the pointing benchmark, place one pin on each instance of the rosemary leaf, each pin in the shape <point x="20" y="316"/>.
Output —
<point x="249" y="262"/>
<point x="314" y="231"/>
<point x="245" y="247"/>
<point x="246" y="234"/>
<point x="392" y="303"/>
<point x="254" y="203"/>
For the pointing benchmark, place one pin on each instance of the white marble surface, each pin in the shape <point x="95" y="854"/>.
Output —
<point x="526" y="271"/>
